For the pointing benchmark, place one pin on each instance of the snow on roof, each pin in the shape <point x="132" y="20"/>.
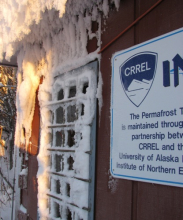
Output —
<point x="18" y="18"/>
<point x="50" y="38"/>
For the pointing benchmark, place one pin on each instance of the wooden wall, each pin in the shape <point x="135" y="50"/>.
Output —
<point x="131" y="200"/>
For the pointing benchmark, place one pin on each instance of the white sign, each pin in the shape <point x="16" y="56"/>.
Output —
<point x="147" y="111"/>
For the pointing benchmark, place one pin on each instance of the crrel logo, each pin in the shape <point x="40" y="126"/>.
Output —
<point x="137" y="69"/>
<point x="137" y="75"/>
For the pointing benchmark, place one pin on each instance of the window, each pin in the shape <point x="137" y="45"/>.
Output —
<point x="72" y="148"/>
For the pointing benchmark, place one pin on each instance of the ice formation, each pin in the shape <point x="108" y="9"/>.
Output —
<point x="50" y="38"/>
<point x="74" y="97"/>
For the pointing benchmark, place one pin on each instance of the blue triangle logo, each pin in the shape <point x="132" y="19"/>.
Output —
<point x="137" y="76"/>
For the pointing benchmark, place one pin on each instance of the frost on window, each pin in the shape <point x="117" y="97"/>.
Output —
<point x="57" y="210"/>
<point x="72" y="91"/>
<point x="71" y="141"/>
<point x="70" y="162"/>
<point x="48" y="138"/>
<point x="73" y="106"/>
<point x="59" y="163"/>
<point x="68" y="189"/>
<point x="60" y="138"/>
<point x="69" y="214"/>
<point x="61" y="94"/>
<point x="60" y="115"/>
<point x="57" y="186"/>
<point x="82" y="109"/>
<point x="50" y="157"/>
<point x="85" y="86"/>
<point x="71" y="113"/>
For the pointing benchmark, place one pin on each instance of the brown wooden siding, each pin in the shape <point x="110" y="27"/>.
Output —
<point x="133" y="200"/>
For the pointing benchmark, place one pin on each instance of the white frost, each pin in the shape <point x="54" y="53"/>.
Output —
<point x="23" y="209"/>
<point x="50" y="39"/>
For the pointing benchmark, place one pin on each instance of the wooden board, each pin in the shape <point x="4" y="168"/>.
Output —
<point x="130" y="200"/>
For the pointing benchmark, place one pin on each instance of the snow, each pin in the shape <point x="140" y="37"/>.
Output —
<point x="105" y="7"/>
<point x="23" y="209"/>
<point x="24" y="171"/>
<point x="6" y="176"/>
<point x="50" y="39"/>
<point x="17" y="16"/>
<point x="99" y="93"/>
<point x="112" y="184"/>
<point x="81" y="127"/>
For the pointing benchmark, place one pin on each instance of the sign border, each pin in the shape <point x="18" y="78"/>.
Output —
<point x="158" y="181"/>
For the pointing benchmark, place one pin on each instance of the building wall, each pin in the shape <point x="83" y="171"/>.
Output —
<point x="125" y="199"/>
